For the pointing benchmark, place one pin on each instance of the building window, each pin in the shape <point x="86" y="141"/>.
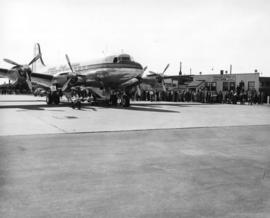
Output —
<point x="214" y="86"/>
<point x="251" y="85"/>
<point x="232" y="86"/>
<point x="228" y="86"/>
<point x="211" y="86"/>
<point x="225" y="86"/>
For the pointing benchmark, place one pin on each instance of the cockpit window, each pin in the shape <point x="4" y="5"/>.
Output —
<point x="124" y="58"/>
<point x="115" y="60"/>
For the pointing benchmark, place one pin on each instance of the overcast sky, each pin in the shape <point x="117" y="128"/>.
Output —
<point x="204" y="35"/>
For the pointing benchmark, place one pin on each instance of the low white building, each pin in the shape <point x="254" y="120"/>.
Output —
<point x="227" y="82"/>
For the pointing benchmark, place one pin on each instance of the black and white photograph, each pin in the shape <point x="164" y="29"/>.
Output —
<point x="135" y="108"/>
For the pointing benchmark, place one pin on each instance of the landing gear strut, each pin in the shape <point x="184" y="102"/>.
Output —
<point x="125" y="101"/>
<point x="113" y="100"/>
<point x="52" y="98"/>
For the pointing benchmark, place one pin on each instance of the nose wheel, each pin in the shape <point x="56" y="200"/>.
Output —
<point x="113" y="100"/>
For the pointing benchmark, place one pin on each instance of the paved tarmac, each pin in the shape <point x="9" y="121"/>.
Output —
<point x="151" y="160"/>
<point x="27" y="115"/>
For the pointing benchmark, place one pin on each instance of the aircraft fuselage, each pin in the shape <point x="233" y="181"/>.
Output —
<point x="112" y="72"/>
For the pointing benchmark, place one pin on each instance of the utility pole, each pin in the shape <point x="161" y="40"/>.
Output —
<point x="230" y="69"/>
<point x="180" y="72"/>
<point x="190" y="71"/>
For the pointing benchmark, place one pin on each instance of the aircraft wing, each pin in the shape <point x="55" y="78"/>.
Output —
<point x="149" y="80"/>
<point x="3" y="72"/>
<point x="131" y="82"/>
<point x="44" y="80"/>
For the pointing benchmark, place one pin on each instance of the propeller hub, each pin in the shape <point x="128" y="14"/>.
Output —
<point x="159" y="79"/>
<point x="24" y="70"/>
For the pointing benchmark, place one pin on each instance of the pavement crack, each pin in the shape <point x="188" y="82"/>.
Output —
<point x="50" y="124"/>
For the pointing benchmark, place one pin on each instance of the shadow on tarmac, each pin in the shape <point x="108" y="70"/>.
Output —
<point x="86" y="107"/>
<point x="146" y="108"/>
<point x="21" y="100"/>
<point x="35" y="106"/>
<point x="176" y="104"/>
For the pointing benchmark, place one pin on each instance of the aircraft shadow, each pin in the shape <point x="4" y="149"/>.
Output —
<point x="176" y="104"/>
<point x="36" y="106"/>
<point x="146" y="108"/>
<point x="21" y="100"/>
<point x="86" y="107"/>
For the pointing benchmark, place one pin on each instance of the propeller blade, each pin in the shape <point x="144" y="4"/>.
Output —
<point x="28" y="81"/>
<point x="139" y="92"/>
<point x="34" y="59"/>
<point x="69" y="64"/>
<point x="12" y="62"/>
<point x="145" y="68"/>
<point x="163" y="86"/>
<point x="165" y="69"/>
<point x="141" y="75"/>
<point x="65" y="86"/>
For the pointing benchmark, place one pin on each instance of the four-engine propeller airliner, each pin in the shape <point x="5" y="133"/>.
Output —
<point x="109" y="79"/>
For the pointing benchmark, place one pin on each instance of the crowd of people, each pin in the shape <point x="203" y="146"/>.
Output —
<point x="203" y="96"/>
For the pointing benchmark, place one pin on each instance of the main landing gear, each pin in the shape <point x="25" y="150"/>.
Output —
<point x="125" y="101"/>
<point x="52" y="98"/>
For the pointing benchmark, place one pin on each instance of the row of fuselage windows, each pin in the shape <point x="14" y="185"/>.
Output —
<point x="77" y="68"/>
<point x="86" y="67"/>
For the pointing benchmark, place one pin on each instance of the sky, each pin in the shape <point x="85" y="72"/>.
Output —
<point x="205" y="35"/>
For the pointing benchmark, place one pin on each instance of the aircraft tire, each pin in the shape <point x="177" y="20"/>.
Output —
<point x="49" y="99"/>
<point x="125" y="101"/>
<point x="56" y="99"/>
<point x="79" y="105"/>
<point x="114" y="100"/>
